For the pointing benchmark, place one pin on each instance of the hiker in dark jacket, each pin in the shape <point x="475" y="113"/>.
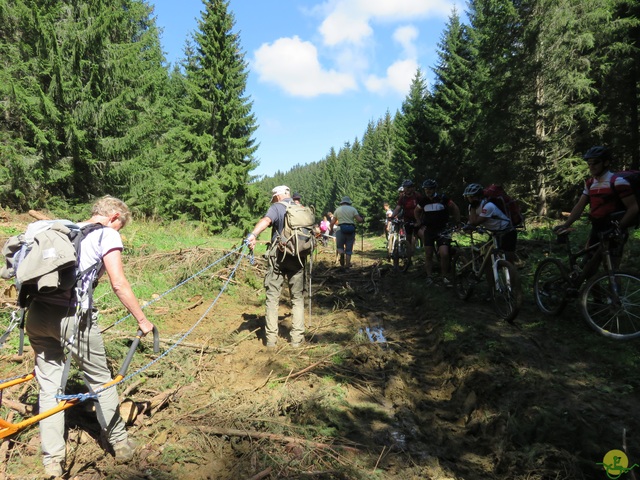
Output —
<point x="51" y="324"/>
<point x="281" y="268"/>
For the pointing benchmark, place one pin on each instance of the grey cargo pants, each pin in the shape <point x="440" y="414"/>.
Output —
<point x="278" y="271"/>
<point x="46" y="325"/>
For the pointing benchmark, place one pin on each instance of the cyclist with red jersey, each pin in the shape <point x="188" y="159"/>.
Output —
<point x="407" y="204"/>
<point x="605" y="194"/>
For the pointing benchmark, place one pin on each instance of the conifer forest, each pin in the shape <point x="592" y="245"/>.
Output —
<point x="89" y="106"/>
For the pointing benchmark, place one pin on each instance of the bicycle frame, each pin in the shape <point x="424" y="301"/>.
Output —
<point x="488" y="252"/>
<point x="505" y="288"/>
<point x="397" y="233"/>
<point x="579" y="274"/>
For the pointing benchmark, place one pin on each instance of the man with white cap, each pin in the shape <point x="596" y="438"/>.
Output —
<point x="279" y="269"/>
<point x="345" y="216"/>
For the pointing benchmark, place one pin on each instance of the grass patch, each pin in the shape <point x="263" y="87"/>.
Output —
<point x="452" y="330"/>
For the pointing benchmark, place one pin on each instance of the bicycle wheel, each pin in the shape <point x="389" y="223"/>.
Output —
<point x="403" y="257"/>
<point x="463" y="279"/>
<point x="611" y="305"/>
<point x="506" y="292"/>
<point x="550" y="284"/>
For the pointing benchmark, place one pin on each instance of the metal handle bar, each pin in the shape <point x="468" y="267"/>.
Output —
<point x="134" y="345"/>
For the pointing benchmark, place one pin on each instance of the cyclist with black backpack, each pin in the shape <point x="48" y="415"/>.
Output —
<point x="605" y="193"/>
<point x="483" y="211"/>
<point x="434" y="212"/>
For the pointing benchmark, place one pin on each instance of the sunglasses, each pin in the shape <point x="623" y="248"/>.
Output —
<point x="594" y="163"/>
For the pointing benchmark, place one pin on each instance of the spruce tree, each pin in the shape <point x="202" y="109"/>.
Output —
<point x="218" y="123"/>
<point x="413" y="133"/>
<point x="452" y="109"/>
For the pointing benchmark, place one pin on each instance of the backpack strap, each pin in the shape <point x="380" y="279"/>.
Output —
<point x="82" y="295"/>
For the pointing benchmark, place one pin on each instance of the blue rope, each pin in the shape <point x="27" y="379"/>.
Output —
<point x="14" y="378"/>
<point x="178" y="342"/>
<point x="151" y="302"/>
<point x="83" y="397"/>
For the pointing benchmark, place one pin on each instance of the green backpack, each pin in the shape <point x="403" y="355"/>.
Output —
<point x="297" y="238"/>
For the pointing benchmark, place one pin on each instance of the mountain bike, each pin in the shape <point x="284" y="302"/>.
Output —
<point x="486" y="261"/>
<point x="398" y="248"/>
<point x="609" y="300"/>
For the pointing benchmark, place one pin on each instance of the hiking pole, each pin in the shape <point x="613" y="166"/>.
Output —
<point x="362" y="248"/>
<point x="310" y="270"/>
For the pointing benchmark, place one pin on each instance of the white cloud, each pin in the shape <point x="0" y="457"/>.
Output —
<point x="401" y="73"/>
<point x="293" y="65"/>
<point x="398" y="80"/>
<point x="406" y="36"/>
<point x="348" y="21"/>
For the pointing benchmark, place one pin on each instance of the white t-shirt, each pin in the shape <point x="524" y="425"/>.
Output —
<point x="97" y="244"/>
<point x="496" y="220"/>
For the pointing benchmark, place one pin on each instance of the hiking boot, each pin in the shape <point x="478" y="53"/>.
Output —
<point x="53" y="470"/>
<point x="297" y="344"/>
<point x="124" y="450"/>
<point x="271" y="345"/>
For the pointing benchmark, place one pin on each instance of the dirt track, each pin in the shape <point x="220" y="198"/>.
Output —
<point x="452" y="393"/>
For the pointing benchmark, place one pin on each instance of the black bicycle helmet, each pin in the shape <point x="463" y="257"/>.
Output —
<point x="473" y="189"/>
<point x="407" y="184"/>
<point x="599" y="152"/>
<point x="429" y="183"/>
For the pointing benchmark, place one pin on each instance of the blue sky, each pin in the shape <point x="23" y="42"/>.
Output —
<point x="319" y="71"/>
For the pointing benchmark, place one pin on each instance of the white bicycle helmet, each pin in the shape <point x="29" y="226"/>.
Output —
<point x="473" y="189"/>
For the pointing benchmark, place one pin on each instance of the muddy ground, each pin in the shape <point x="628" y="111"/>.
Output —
<point x="397" y="381"/>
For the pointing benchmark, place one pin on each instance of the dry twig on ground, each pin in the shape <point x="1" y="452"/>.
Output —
<point x="232" y="432"/>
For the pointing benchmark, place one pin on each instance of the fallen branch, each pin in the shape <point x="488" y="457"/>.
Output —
<point x="127" y="391"/>
<point x="4" y="451"/>
<point x="263" y="474"/>
<point x="21" y="408"/>
<point x="305" y="370"/>
<point x="248" y="335"/>
<point x="232" y="432"/>
<point x="38" y="215"/>
<point x="159" y="401"/>
<point x="301" y="372"/>
<point x="196" y="346"/>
